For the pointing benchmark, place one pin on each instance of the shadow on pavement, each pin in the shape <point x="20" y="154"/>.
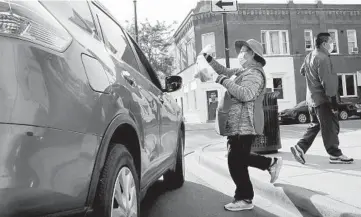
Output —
<point x="302" y="197"/>
<point x="192" y="200"/>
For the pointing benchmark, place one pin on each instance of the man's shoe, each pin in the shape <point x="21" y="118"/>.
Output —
<point x="239" y="205"/>
<point x="341" y="160"/>
<point x="275" y="169"/>
<point x="298" y="154"/>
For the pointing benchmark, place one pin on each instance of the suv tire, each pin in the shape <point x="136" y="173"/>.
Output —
<point x="175" y="179"/>
<point x="118" y="169"/>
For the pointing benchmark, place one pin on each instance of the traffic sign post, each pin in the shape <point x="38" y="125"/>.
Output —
<point x="224" y="7"/>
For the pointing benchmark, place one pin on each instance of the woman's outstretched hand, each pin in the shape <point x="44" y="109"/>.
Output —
<point x="207" y="49"/>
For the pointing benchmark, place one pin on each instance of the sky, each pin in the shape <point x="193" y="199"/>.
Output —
<point x="177" y="10"/>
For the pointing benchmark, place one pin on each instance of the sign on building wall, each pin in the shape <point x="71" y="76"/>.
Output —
<point x="212" y="104"/>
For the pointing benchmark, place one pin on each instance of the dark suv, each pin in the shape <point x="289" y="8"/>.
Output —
<point x="85" y="124"/>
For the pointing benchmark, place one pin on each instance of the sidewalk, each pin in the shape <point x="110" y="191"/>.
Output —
<point x="202" y="126"/>
<point x="320" y="188"/>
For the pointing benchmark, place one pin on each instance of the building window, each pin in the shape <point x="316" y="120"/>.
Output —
<point x="334" y="36"/>
<point x="195" y="100"/>
<point x="191" y="52"/>
<point x="187" y="100"/>
<point x="308" y="40"/>
<point x="352" y="41"/>
<point x="275" y="42"/>
<point x="207" y="39"/>
<point x="278" y="87"/>
<point x="177" y="59"/>
<point x="183" y="56"/>
<point x="347" y="85"/>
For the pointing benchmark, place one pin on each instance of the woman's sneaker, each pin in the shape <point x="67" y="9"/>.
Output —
<point x="239" y="205"/>
<point x="298" y="154"/>
<point x="275" y="169"/>
<point x="341" y="160"/>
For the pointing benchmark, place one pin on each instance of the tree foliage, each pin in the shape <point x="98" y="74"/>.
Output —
<point x="155" y="41"/>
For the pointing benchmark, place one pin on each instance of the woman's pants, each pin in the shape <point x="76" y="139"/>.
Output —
<point x="239" y="158"/>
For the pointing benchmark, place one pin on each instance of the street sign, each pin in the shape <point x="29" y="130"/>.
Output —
<point x="224" y="6"/>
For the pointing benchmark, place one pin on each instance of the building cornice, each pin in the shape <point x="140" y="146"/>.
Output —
<point x="278" y="14"/>
<point x="184" y="25"/>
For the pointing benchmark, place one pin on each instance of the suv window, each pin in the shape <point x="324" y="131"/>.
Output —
<point x="74" y="12"/>
<point x="115" y="40"/>
<point x="148" y="68"/>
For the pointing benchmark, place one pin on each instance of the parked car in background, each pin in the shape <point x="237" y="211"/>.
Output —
<point x="300" y="113"/>
<point x="358" y="108"/>
<point x="85" y="125"/>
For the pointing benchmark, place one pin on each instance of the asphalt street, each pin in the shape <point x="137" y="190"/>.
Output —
<point x="194" y="199"/>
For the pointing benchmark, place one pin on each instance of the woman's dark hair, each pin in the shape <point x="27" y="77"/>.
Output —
<point x="256" y="57"/>
<point x="321" y="38"/>
<point x="259" y="59"/>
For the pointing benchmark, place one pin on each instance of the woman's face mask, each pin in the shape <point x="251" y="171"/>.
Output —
<point x="241" y="58"/>
<point x="329" y="46"/>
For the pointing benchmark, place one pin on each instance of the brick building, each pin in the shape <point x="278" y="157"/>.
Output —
<point x="287" y="33"/>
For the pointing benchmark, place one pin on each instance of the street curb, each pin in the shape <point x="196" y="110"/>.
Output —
<point x="286" y="196"/>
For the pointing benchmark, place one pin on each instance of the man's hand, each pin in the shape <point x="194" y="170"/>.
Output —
<point x="207" y="49"/>
<point x="334" y="105"/>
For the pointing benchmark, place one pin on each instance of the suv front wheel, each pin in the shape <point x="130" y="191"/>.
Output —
<point x="118" y="190"/>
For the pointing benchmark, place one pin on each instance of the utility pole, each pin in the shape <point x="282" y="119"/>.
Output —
<point x="224" y="7"/>
<point x="225" y="33"/>
<point x="135" y="20"/>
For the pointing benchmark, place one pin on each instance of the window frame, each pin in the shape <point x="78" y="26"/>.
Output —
<point x="190" y="52"/>
<point x="355" y="35"/>
<point x="147" y="66"/>
<point x="344" y="85"/>
<point x="336" y="40"/>
<point x="104" y="38"/>
<point x="268" y="42"/>
<point x="128" y="39"/>
<point x="273" y="88"/>
<point x="214" y="54"/>
<point x="312" y="41"/>
<point x="195" y="106"/>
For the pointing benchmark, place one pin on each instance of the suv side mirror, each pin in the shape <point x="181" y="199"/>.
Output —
<point x="173" y="83"/>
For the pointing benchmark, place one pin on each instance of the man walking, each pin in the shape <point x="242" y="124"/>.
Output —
<point x="322" y="87"/>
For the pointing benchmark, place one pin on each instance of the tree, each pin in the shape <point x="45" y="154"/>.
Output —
<point x="155" y="41"/>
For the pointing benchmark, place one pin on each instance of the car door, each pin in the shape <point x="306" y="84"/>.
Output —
<point x="144" y="104"/>
<point x="170" y="126"/>
<point x="168" y="114"/>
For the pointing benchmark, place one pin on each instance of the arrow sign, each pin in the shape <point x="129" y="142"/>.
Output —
<point x="224" y="6"/>
<point x="221" y="4"/>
